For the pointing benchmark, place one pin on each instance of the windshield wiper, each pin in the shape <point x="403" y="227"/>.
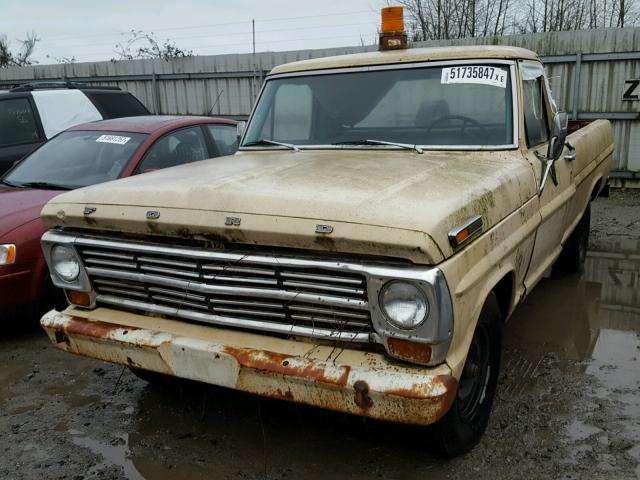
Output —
<point x="380" y="142"/>
<point x="52" y="186"/>
<point x="272" y="142"/>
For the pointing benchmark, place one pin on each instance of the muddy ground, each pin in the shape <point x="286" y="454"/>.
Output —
<point x="568" y="403"/>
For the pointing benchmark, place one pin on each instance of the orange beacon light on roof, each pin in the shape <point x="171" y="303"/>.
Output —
<point x="392" y="36"/>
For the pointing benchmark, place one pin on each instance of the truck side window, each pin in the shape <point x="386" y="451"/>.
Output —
<point x="17" y="123"/>
<point x="183" y="146"/>
<point x="535" y="112"/>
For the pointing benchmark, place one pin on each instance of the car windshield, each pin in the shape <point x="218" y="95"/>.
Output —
<point x="453" y="105"/>
<point x="76" y="159"/>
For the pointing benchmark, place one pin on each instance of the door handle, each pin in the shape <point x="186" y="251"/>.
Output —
<point x="570" y="157"/>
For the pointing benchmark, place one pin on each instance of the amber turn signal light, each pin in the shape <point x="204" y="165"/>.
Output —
<point x="411" y="351"/>
<point x="465" y="232"/>
<point x="7" y="254"/>
<point x="81" y="299"/>
<point x="462" y="235"/>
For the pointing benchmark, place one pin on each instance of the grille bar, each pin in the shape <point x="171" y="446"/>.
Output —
<point x="324" y="333"/>
<point x="227" y="290"/>
<point x="322" y="278"/>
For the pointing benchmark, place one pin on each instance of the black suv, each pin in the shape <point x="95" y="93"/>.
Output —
<point x="31" y="114"/>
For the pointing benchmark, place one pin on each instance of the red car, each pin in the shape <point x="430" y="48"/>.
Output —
<point x="78" y="157"/>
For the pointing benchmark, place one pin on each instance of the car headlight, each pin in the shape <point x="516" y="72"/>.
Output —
<point x="7" y="254"/>
<point x="404" y="304"/>
<point x="65" y="263"/>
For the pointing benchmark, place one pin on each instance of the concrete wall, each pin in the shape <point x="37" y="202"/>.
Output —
<point x="588" y="71"/>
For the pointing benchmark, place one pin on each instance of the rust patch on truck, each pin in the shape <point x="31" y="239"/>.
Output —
<point x="408" y="350"/>
<point x="450" y="383"/>
<point x="280" y="395"/>
<point x="279" y="363"/>
<point x="80" y="326"/>
<point x="362" y="398"/>
<point x="447" y="383"/>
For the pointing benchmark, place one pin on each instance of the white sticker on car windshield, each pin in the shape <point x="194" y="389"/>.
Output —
<point x="117" y="139"/>
<point x="477" y="74"/>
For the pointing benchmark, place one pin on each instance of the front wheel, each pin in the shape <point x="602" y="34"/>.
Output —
<point x="463" y="425"/>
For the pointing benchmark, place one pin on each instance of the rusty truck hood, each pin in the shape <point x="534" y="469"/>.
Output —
<point x="394" y="203"/>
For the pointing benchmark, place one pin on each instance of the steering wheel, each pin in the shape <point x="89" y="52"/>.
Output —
<point x="465" y="121"/>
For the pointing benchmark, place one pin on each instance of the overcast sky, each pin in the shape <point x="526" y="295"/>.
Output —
<point x="89" y="30"/>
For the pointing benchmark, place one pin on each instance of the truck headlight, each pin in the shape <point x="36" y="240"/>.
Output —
<point x="65" y="263"/>
<point x="7" y="254"/>
<point x="404" y="304"/>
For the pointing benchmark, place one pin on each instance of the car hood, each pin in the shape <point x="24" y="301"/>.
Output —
<point x="395" y="203"/>
<point x="19" y="206"/>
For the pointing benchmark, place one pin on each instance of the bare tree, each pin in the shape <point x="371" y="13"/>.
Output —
<point x="448" y="19"/>
<point x="23" y="56"/>
<point x="146" y="45"/>
<point x="550" y="15"/>
<point x="62" y="59"/>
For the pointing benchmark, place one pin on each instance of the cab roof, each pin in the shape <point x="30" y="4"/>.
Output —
<point x="408" y="55"/>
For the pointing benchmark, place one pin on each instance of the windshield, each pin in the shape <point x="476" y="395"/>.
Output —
<point x="76" y="159"/>
<point x="453" y="105"/>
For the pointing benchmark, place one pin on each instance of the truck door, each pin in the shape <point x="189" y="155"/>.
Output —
<point x="539" y="110"/>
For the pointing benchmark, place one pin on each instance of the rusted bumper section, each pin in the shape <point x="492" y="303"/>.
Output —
<point x="359" y="386"/>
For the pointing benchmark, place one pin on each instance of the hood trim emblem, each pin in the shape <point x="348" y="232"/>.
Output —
<point x="232" y="221"/>
<point x="89" y="210"/>
<point x="153" y="214"/>
<point x="324" y="229"/>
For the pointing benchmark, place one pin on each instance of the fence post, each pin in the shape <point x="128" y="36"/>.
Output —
<point x="576" y="85"/>
<point x="154" y="93"/>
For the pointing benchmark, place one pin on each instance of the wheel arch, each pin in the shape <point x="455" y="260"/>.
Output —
<point x="597" y="188"/>
<point x="504" y="291"/>
<point x="502" y="284"/>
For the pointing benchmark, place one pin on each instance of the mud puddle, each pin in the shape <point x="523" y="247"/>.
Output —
<point x="586" y="326"/>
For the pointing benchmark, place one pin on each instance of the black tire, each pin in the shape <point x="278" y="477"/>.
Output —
<point x="574" y="251"/>
<point x="53" y="297"/>
<point x="464" y="424"/>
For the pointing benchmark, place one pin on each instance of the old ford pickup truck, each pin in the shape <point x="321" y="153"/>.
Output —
<point x="385" y="214"/>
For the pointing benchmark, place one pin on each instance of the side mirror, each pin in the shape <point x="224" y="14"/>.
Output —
<point x="558" y="135"/>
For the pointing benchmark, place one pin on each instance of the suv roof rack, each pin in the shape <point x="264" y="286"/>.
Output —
<point x="48" y="85"/>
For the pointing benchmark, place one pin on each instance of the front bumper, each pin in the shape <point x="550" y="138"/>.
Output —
<point x="345" y="380"/>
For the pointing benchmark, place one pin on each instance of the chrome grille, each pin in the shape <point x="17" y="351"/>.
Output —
<point x="289" y="296"/>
